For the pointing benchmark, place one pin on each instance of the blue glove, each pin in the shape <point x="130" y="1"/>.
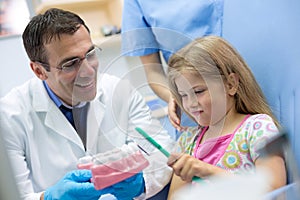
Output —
<point x="75" y="185"/>
<point x="129" y="188"/>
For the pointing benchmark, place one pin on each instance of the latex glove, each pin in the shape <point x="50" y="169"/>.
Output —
<point x="129" y="188"/>
<point x="75" y="185"/>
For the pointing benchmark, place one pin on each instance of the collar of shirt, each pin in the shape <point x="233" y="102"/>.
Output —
<point x="58" y="102"/>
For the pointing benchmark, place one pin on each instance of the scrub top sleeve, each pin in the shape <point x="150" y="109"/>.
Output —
<point x="137" y="36"/>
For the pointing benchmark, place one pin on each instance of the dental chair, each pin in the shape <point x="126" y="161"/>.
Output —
<point x="267" y="34"/>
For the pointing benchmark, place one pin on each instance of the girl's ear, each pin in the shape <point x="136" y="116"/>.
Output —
<point x="232" y="84"/>
<point x="38" y="70"/>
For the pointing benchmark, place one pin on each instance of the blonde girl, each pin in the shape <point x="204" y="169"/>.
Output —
<point x="214" y="85"/>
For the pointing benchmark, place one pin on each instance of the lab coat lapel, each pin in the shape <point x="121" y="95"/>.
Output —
<point x="51" y="116"/>
<point x="58" y="122"/>
<point x="94" y="120"/>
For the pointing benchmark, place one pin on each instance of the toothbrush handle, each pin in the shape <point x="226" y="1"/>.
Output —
<point x="160" y="148"/>
<point x="197" y="179"/>
<point x="152" y="141"/>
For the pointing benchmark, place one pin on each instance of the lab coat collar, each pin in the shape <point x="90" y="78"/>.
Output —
<point x="56" y="121"/>
<point x="94" y="120"/>
<point x="59" y="123"/>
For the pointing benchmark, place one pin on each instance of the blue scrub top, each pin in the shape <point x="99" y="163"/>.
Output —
<point x="150" y="26"/>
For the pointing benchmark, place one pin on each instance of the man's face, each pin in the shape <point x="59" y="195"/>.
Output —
<point x="77" y="85"/>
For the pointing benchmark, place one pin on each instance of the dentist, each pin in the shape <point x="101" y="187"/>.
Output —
<point x="68" y="111"/>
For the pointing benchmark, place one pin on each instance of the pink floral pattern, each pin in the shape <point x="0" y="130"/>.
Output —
<point x="242" y="151"/>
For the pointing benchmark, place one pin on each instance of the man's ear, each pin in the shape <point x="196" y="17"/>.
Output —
<point x="38" y="70"/>
<point x="232" y="84"/>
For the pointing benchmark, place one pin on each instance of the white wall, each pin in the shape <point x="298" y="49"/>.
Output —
<point x="15" y="67"/>
<point x="112" y="62"/>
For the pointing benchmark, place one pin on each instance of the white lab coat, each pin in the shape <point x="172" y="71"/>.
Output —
<point x="43" y="145"/>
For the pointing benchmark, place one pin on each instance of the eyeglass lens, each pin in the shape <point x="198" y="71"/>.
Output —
<point x="91" y="57"/>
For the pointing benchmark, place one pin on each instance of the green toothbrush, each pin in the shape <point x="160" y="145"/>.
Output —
<point x="159" y="147"/>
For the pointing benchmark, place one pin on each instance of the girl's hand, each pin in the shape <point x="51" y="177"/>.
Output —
<point x="186" y="167"/>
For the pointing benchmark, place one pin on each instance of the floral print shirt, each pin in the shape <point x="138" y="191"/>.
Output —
<point x="241" y="151"/>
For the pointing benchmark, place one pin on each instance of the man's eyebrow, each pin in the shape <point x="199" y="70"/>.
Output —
<point x="66" y="60"/>
<point x="71" y="58"/>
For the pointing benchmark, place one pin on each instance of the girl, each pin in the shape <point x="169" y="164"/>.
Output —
<point x="214" y="85"/>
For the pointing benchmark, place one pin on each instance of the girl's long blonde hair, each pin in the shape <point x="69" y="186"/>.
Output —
<point x="211" y="56"/>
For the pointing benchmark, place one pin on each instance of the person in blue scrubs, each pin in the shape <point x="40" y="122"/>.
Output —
<point x="161" y="27"/>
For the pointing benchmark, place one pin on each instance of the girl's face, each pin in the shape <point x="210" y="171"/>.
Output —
<point x="204" y="99"/>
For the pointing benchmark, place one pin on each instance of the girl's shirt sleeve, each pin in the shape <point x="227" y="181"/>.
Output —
<point x="244" y="149"/>
<point x="261" y="130"/>
<point x="186" y="141"/>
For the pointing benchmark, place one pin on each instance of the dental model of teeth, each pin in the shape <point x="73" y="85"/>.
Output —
<point x="114" y="166"/>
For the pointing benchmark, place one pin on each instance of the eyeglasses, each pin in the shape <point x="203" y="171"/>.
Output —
<point x="73" y="64"/>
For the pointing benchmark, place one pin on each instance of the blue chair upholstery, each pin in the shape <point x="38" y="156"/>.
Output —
<point x="266" y="33"/>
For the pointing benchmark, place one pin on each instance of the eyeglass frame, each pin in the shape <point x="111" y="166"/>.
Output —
<point x="77" y="59"/>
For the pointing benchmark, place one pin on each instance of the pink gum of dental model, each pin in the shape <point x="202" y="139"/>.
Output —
<point x="107" y="174"/>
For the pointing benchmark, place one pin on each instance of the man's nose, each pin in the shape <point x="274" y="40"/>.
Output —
<point x="86" y="69"/>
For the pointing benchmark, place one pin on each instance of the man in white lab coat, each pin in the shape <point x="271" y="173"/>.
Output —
<point x="44" y="146"/>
